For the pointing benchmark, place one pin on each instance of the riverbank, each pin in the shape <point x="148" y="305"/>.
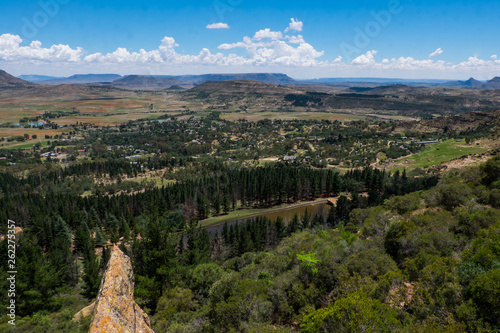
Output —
<point x="251" y="213"/>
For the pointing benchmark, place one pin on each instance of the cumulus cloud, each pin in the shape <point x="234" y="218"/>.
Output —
<point x="436" y="53"/>
<point x="295" y="25"/>
<point x="266" y="49"/>
<point x="219" y="25"/>
<point x="11" y="50"/>
<point x="272" y="48"/>
<point x="267" y="33"/>
<point x="365" y="59"/>
<point x="494" y="56"/>
<point x="295" y="39"/>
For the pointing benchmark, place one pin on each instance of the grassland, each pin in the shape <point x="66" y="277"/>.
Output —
<point x="111" y="107"/>
<point x="438" y="153"/>
<point x="40" y="133"/>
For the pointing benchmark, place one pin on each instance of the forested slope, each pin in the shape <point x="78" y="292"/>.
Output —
<point x="426" y="261"/>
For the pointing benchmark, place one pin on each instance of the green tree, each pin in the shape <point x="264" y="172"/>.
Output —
<point x="354" y="313"/>
<point x="92" y="276"/>
<point x="485" y="291"/>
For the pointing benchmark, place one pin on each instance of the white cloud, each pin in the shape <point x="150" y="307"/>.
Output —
<point x="295" y="39"/>
<point x="219" y="25"/>
<point x="11" y="50"/>
<point x="267" y="33"/>
<point x="295" y="25"/>
<point x="272" y="48"/>
<point x="266" y="51"/>
<point x="494" y="57"/>
<point x="436" y="53"/>
<point x="365" y="59"/>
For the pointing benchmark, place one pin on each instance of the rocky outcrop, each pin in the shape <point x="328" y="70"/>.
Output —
<point x="115" y="309"/>
<point x="84" y="313"/>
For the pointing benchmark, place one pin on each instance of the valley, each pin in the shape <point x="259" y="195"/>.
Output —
<point x="251" y="202"/>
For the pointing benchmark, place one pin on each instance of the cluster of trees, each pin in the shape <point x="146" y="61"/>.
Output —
<point x="421" y="261"/>
<point x="414" y="264"/>
<point x="208" y="194"/>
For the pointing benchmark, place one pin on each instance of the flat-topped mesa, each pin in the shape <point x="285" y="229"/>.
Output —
<point x="115" y="309"/>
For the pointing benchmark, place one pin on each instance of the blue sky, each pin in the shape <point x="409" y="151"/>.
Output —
<point x="390" y="38"/>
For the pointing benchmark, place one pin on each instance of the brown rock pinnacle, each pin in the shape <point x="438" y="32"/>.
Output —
<point x="115" y="309"/>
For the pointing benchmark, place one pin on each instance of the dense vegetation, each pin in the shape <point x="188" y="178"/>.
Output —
<point x="425" y="261"/>
<point x="398" y="252"/>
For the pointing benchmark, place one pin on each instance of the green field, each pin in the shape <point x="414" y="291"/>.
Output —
<point x="438" y="153"/>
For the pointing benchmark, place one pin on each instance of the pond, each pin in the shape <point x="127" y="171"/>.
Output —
<point x="286" y="214"/>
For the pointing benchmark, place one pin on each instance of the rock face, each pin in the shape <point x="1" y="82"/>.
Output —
<point x="115" y="309"/>
<point x="85" y="312"/>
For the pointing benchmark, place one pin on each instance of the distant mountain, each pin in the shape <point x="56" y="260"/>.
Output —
<point x="241" y="95"/>
<point x="149" y="82"/>
<point x="38" y="78"/>
<point x="393" y="89"/>
<point x="84" y="79"/>
<point x="272" y="78"/>
<point x="61" y="91"/>
<point x="372" y="81"/>
<point x="455" y="123"/>
<point x="239" y="88"/>
<point x="491" y="84"/>
<point x="470" y="83"/>
<point x="8" y="80"/>
<point x="188" y="81"/>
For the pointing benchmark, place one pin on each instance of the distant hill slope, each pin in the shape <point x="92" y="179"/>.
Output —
<point x="372" y="82"/>
<point x="455" y="123"/>
<point x="149" y="82"/>
<point x="272" y="78"/>
<point x="188" y="81"/>
<point x="60" y="92"/>
<point x="153" y="82"/>
<point x="399" y="99"/>
<point x="84" y="79"/>
<point x="9" y="80"/>
<point x="393" y="89"/>
<point x="470" y="83"/>
<point x="241" y="87"/>
<point x="37" y="78"/>
<point x="241" y="94"/>
<point x="491" y="84"/>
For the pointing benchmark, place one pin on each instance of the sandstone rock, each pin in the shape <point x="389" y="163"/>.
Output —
<point x="85" y="312"/>
<point x="115" y="308"/>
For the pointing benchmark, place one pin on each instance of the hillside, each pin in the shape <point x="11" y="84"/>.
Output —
<point x="84" y="79"/>
<point x="261" y="77"/>
<point x="148" y="82"/>
<point x="152" y="82"/>
<point x="242" y="95"/>
<point x="470" y="83"/>
<point x="8" y="80"/>
<point x="456" y="123"/>
<point x="37" y="78"/>
<point x="60" y="92"/>
<point x="491" y="84"/>
<point x="241" y="87"/>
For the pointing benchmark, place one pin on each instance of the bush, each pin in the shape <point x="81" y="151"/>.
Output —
<point x="491" y="171"/>
<point x="404" y="204"/>
<point x="495" y="198"/>
<point x="453" y="195"/>
<point x="485" y="291"/>
<point x="354" y="313"/>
